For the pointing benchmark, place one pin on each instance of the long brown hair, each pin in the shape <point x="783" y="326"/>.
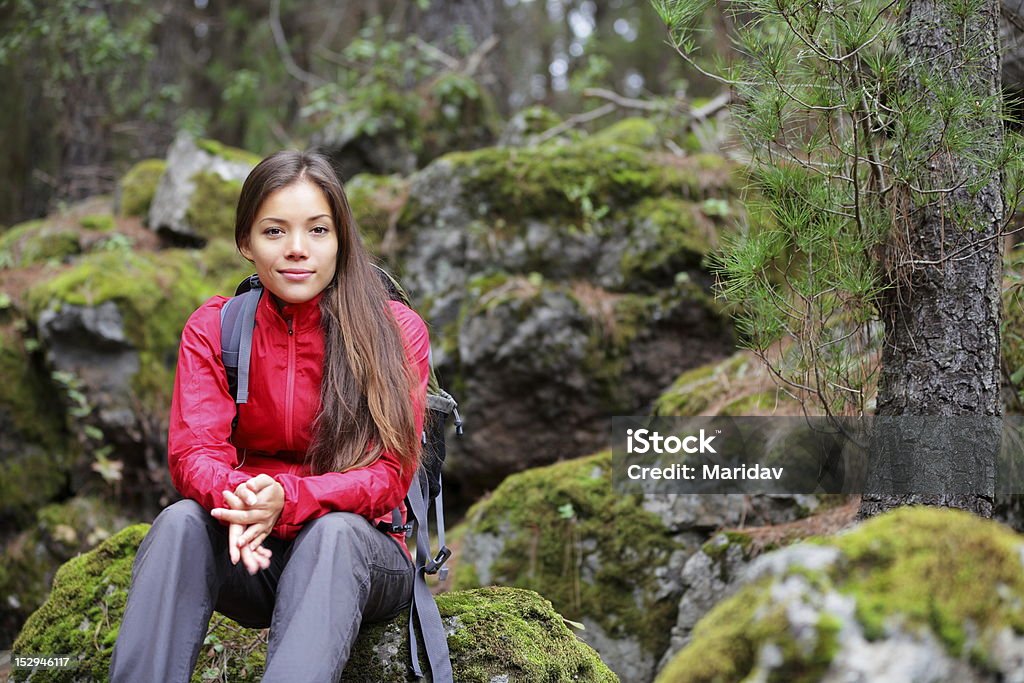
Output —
<point x="365" y="404"/>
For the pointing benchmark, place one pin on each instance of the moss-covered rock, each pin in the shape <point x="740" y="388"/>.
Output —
<point x="37" y="241"/>
<point x="933" y="594"/>
<point x="611" y="560"/>
<point x="573" y="181"/>
<point x="566" y="282"/>
<point x="494" y="634"/>
<point x="561" y="530"/>
<point x="695" y="391"/>
<point x="196" y="196"/>
<point x="154" y="294"/>
<point x="668" y="235"/>
<point x="137" y="187"/>
<point x="211" y="208"/>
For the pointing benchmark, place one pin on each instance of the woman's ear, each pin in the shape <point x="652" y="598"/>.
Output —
<point x="246" y="251"/>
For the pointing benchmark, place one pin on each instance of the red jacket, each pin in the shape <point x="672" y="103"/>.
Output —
<point x="274" y="427"/>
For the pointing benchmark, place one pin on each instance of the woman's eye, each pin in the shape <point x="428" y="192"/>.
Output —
<point x="272" y="232"/>
<point x="320" y="229"/>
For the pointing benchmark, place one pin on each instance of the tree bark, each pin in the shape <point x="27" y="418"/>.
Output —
<point x="942" y="312"/>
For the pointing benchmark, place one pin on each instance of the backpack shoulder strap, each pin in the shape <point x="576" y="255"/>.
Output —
<point x="237" y="318"/>
<point x="423" y="609"/>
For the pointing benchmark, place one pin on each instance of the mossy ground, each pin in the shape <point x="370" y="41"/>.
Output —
<point x="37" y="241"/>
<point x="946" y="571"/>
<point x="496" y="631"/>
<point x="139" y="185"/>
<point x="571" y="538"/>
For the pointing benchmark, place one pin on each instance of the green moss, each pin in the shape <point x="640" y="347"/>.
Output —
<point x="155" y="293"/>
<point x="211" y="209"/>
<point x="716" y="548"/>
<point x="60" y="531"/>
<point x="139" y="185"/>
<point x="695" y="390"/>
<point x="940" y="569"/>
<point x="635" y="131"/>
<point x="753" y="404"/>
<point x="555" y="521"/>
<point x="37" y="241"/>
<point x="497" y="631"/>
<point x="100" y="222"/>
<point x="667" y="235"/>
<point x="577" y="181"/>
<point x="225" y="152"/>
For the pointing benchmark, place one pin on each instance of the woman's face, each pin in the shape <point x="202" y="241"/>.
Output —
<point x="294" y="242"/>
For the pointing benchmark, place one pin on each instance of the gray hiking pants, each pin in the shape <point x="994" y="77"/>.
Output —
<point x="338" y="572"/>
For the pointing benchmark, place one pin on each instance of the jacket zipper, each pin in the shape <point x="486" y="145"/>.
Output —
<point x="290" y="387"/>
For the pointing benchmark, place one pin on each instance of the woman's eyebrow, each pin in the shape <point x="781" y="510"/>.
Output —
<point x="281" y="220"/>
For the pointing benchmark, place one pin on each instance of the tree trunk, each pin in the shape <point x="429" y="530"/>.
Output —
<point x="942" y="313"/>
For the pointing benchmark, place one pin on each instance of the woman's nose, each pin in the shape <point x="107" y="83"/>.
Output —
<point x="296" y="246"/>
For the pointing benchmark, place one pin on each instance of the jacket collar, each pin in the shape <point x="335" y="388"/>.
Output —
<point x="305" y="316"/>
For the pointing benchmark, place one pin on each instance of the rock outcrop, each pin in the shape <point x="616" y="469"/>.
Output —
<point x="919" y="594"/>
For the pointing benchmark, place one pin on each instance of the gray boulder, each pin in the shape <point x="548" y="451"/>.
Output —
<point x="197" y="193"/>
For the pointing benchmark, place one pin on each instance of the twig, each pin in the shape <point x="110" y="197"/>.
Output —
<point x="574" y="120"/>
<point x="626" y="102"/>
<point x="282" y="47"/>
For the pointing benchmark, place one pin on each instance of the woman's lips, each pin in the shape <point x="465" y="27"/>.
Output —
<point x="296" y="275"/>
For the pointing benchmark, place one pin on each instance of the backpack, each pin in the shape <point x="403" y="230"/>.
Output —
<point x="238" y="317"/>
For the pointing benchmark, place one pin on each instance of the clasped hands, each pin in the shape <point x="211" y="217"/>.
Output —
<point x="251" y="512"/>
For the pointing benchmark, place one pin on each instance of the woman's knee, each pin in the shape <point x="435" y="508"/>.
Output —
<point x="184" y="517"/>
<point x="339" y="523"/>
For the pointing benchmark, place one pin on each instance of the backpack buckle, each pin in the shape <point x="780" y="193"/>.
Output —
<point x="389" y="528"/>
<point x="437" y="563"/>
